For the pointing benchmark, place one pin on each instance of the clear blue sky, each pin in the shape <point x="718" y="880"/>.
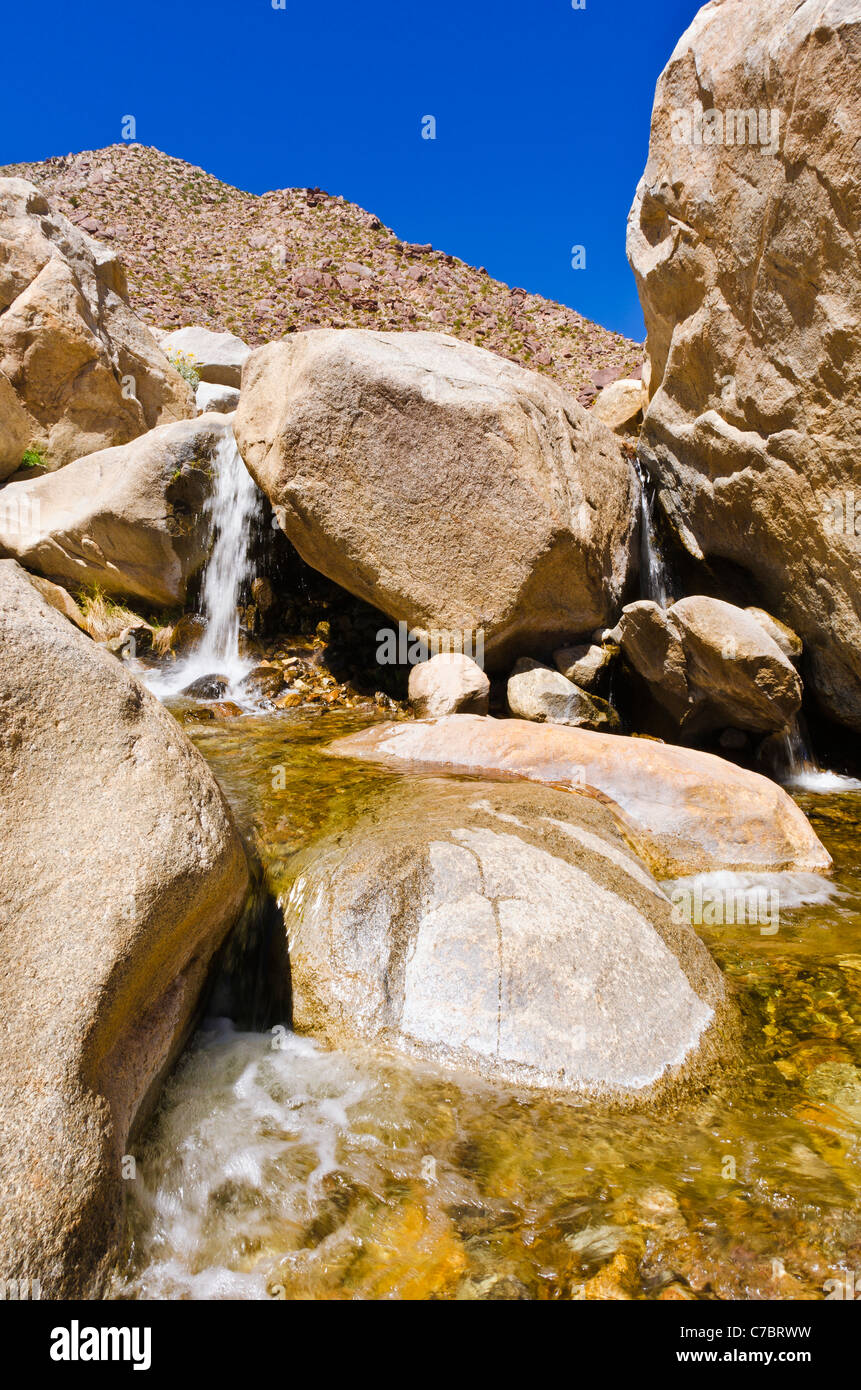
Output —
<point x="542" y="113"/>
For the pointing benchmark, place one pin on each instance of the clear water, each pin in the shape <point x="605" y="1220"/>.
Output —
<point x="278" y="1169"/>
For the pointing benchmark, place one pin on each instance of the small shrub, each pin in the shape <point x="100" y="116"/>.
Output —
<point x="33" y="458"/>
<point x="183" y="362"/>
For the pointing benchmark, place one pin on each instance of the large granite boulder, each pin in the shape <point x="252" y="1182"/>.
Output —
<point x="744" y="240"/>
<point x="86" y="372"/>
<point x="131" y="520"/>
<point x="685" y="811"/>
<point x="121" y="872"/>
<point x="508" y="929"/>
<point x="454" y="491"/>
<point x="711" y="665"/>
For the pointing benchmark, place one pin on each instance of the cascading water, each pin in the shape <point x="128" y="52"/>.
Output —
<point x="232" y="508"/>
<point x="800" y="769"/>
<point x="654" y="579"/>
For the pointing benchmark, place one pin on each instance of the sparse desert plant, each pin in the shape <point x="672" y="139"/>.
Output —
<point x="103" y="617"/>
<point x="183" y="362"/>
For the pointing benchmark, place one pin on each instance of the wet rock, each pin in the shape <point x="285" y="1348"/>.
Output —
<point x="264" y="681"/>
<point x="187" y="634"/>
<point x="207" y="688"/>
<point x="450" y="683"/>
<point x="505" y="929"/>
<point x="681" y="807"/>
<point x="115" y="891"/>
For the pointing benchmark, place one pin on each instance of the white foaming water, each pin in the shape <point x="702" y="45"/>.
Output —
<point x="242" y="1162"/>
<point x="231" y="508"/>
<point x="802" y="771"/>
<point x="793" y="889"/>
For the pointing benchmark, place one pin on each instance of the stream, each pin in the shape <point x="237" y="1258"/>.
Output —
<point x="274" y="1168"/>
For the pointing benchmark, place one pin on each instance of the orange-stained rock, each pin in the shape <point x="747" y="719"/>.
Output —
<point x="684" y="811"/>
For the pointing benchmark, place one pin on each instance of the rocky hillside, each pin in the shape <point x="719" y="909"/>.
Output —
<point x="200" y="251"/>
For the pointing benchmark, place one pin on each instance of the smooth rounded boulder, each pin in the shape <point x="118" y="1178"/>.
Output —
<point x="744" y="242"/>
<point x="451" y="489"/>
<point x="121" y="873"/>
<point x="505" y="929"/>
<point x="131" y="520"/>
<point x="450" y="683"/>
<point x="686" y="812"/>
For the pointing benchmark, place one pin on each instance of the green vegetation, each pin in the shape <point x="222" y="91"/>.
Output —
<point x="183" y="362"/>
<point x="33" y="458"/>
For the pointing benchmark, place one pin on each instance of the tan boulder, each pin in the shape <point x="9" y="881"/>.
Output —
<point x="451" y="489"/>
<point x="506" y="929"/>
<point x="82" y="365"/>
<point x="450" y="683"/>
<point x="121" y="872"/>
<point x="587" y="665"/>
<point x="621" y="405"/>
<point x="711" y="665"/>
<point x="744" y="241"/>
<point x="18" y="429"/>
<point x="59" y="599"/>
<point x="130" y="520"/>
<point x="685" y="811"/>
<point x="538" y="693"/>
<point x="789" y="642"/>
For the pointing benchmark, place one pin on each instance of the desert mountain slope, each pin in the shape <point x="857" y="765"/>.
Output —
<point x="199" y="251"/>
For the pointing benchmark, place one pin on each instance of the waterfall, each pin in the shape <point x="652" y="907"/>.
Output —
<point x="654" y="579"/>
<point x="232" y="508"/>
<point x="799" y="767"/>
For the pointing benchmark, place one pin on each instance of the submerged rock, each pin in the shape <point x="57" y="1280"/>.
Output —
<point x="507" y="929"/>
<point x="86" y="372"/>
<point x="685" y="811"/>
<point x="451" y="489"/>
<point x="130" y="520"/>
<point x="450" y="683"/>
<point x="121" y="872"/>
<point x="744" y="242"/>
